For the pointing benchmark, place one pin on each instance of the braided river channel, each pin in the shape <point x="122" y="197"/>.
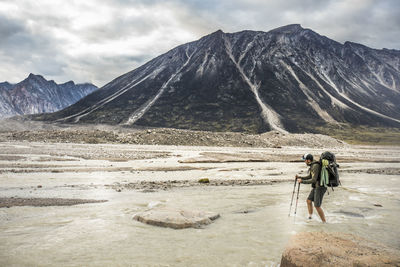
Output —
<point x="254" y="224"/>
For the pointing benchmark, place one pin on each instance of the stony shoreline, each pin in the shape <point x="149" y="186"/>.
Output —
<point x="152" y="186"/>
<point x="14" y="130"/>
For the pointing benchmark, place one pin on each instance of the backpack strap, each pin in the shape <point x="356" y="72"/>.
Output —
<point x="324" y="179"/>
<point x="319" y="172"/>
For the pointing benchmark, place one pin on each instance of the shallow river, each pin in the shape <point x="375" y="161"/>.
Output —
<point x="253" y="229"/>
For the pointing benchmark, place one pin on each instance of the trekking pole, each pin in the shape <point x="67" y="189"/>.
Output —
<point x="297" y="200"/>
<point x="294" y="190"/>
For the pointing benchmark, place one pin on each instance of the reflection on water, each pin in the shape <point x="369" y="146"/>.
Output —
<point x="253" y="229"/>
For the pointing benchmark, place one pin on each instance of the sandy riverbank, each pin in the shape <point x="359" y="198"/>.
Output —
<point x="155" y="167"/>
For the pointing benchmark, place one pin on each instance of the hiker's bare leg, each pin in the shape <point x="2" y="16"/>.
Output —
<point x="310" y="207"/>
<point x="321" y="213"/>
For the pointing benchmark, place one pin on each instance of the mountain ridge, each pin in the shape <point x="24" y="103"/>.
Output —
<point x="35" y="94"/>
<point x="286" y="79"/>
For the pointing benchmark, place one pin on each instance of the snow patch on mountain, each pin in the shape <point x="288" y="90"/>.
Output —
<point x="322" y="113"/>
<point x="328" y="80"/>
<point x="270" y="116"/>
<point x="107" y="100"/>
<point x="334" y="100"/>
<point x="145" y="107"/>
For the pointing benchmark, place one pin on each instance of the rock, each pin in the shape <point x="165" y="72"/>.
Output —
<point x="336" y="249"/>
<point x="204" y="181"/>
<point x="176" y="218"/>
<point x="148" y="191"/>
<point x="244" y="211"/>
<point x="350" y="213"/>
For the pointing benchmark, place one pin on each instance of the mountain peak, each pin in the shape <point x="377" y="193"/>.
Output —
<point x="217" y="33"/>
<point x="5" y="84"/>
<point x="69" y="83"/>
<point x="35" y="77"/>
<point x="291" y="28"/>
<point x="31" y="75"/>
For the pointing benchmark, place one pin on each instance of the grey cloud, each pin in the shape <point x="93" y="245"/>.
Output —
<point x="370" y="22"/>
<point x="126" y="60"/>
<point x="19" y="40"/>
<point x="49" y="65"/>
<point x="101" y="70"/>
<point x="27" y="51"/>
<point x="374" y="23"/>
<point x="9" y="28"/>
<point x="203" y="17"/>
<point x="129" y="3"/>
<point x="119" y="28"/>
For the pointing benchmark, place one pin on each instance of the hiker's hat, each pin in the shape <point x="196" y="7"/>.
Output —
<point x="307" y="156"/>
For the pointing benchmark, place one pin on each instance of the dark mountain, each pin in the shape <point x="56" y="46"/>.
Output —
<point x="287" y="79"/>
<point x="37" y="95"/>
<point x="6" y="86"/>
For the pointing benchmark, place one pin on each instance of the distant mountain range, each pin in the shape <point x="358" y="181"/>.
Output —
<point x="35" y="95"/>
<point x="287" y="79"/>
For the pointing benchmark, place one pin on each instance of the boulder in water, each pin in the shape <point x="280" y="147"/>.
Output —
<point x="176" y="218"/>
<point x="336" y="249"/>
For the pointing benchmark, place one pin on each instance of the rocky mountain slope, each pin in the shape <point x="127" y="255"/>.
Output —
<point x="37" y="95"/>
<point x="288" y="79"/>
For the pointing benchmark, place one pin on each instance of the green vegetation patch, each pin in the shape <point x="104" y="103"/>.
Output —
<point x="363" y="135"/>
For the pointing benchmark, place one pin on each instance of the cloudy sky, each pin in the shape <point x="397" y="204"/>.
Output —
<point x="99" y="40"/>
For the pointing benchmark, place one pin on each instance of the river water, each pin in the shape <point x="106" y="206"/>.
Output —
<point x="253" y="229"/>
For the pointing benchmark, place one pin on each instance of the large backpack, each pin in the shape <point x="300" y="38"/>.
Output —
<point x="331" y="167"/>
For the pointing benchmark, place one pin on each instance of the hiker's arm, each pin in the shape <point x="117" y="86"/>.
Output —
<point x="313" y="176"/>
<point x="304" y="177"/>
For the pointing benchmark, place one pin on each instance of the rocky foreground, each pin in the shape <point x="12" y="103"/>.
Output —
<point x="15" y="130"/>
<point x="336" y="249"/>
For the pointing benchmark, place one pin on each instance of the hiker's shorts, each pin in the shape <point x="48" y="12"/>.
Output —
<point x="316" y="195"/>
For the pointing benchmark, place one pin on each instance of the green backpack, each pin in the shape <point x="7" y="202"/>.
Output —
<point x="329" y="175"/>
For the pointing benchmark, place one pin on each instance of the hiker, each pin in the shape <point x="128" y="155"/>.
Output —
<point x="318" y="191"/>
